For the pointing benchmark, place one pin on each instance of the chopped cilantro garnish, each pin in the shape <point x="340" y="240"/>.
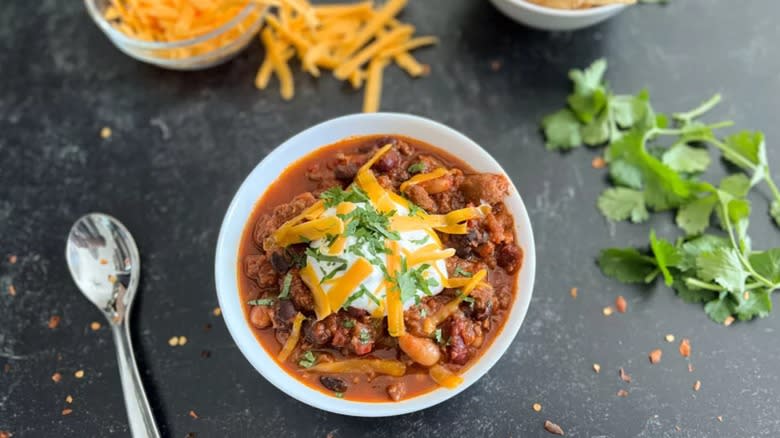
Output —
<point x="339" y="394"/>
<point x="422" y="241"/>
<point x="437" y="336"/>
<point x="470" y="300"/>
<point x="307" y="360"/>
<point x="348" y="323"/>
<point x="462" y="273"/>
<point x="414" y="210"/>
<point x="320" y="257"/>
<point x="423" y="313"/>
<point x="408" y="281"/>
<point x="261" y="302"/>
<point x="336" y="195"/>
<point x="416" y="167"/>
<point x="365" y="336"/>
<point x="285" y="293"/>
<point x="333" y="272"/>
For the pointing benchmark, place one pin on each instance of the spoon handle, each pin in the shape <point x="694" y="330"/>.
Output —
<point x="139" y="414"/>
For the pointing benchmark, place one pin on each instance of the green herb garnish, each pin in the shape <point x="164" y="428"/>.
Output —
<point x="348" y="323"/>
<point x="339" y="394"/>
<point x="459" y="271"/>
<point x="365" y="336"/>
<point x="336" y="195"/>
<point x="421" y="241"/>
<point x="416" y="167"/>
<point x="285" y="293"/>
<point x="307" y="360"/>
<point x="261" y="302"/>
<point x="437" y="336"/>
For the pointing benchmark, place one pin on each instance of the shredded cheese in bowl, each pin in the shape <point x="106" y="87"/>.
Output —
<point x="179" y="34"/>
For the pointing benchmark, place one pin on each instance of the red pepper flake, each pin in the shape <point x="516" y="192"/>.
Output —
<point x="67" y="411"/>
<point x="95" y="326"/>
<point x="54" y="321"/>
<point x="728" y="321"/>
<point x="596" y="368"/>
<point x="690" y="367"/>
<point x="4" y="434"/>
<point x="720" y="418"/>
<point x="685" y="347"/>
<point x="537" y="407"/>
<point x="607" y="311"/>
<point x="697" y="385"/>
<point x="496" y="65"/>
<point x="56" y="377"/>
<point x="103" y="261"/>
<point x="205" y="354"/>
<point x="655" y="356"/>
<point x="217" y="311"/>
<point x="69" y="399"/>
<point x="553" y="428"/>
<point x="622" y="393"/>
<point x="677" y="428"/>
<point x="620" y="304"/>
<point x="11" y="290"/>
<point x="193" y="415"/>
<point x="598" y="163"/>
<point x="573" y="292"/>
<point x="190" y="435"/>
<point x="12" y="259"/>
<point x="624" y="376"/>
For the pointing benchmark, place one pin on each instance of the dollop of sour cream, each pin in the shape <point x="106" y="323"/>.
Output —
<point x="370" y="294"/>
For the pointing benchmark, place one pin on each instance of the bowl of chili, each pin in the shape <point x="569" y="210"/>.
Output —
<point x="319" y="247"/>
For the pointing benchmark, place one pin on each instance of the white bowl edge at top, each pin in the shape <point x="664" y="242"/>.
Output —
<point x="298" y="146"/>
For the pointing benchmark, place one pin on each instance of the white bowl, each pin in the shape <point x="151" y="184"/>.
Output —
<point x="299" y="146"/>
<point x="544" y="18"/>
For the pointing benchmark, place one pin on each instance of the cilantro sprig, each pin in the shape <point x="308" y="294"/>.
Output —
<point x="655" y="163"/>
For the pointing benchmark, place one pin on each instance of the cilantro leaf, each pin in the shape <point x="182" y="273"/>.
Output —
<point x="629" y="111"/>
<point x="307" y="360"/>
<point x="720" y="308"/>
<point x="598" y="131"/>
<point x="562" y="130"/>
<point x="767" y="264"/>
<point x="692" y="295"/>
<point x="590" y="96"/>
<point x="285" y="293"/>
<point x="261" y="302"/>
<point x="774" y="211"/>
<point x="416" y="167"/>
<point x="745" y="149"/>
<point x="758" y="303"/>
<point x="620" y="203"/>
<point x="625" y="174"/>
<point x="736" y="185"/>
<point x="694" y="217"/>
<point x="666" y="256"/>
<point x="722" y="266"/>
<point x="627" y="265"/>
<point x="684" y="158"/>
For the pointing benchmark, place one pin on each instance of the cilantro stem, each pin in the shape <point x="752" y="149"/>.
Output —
<point x="690" y="281"/>
<point x="699" y="110"/>
<point x="679" y="131"/>
<point x="745" y="262"/>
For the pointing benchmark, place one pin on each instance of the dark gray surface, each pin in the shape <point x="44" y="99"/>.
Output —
<point x="62" y="81"/>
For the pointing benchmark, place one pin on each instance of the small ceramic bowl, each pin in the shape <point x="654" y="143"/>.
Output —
<point x="544" y="18"/>
<point x="271" y="167"/>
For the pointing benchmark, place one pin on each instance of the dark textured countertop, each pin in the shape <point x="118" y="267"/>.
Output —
<point x="183" y="142"/>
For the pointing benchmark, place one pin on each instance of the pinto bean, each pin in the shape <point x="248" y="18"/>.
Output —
<point x="421" y="350"/>
<point x="261" y="316"/>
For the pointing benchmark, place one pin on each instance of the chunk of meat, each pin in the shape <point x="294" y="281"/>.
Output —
<point x="300" y="294"/>
<point x="259" y="268"/>
<point x="396" y="391"/>
<point x="509" y="257"/>
<point x="270" y="222"/>
<point x="455" y="264"/>
<point x="485" y="187"/>
<point x="484" y="301"/>
<point x="261" y="316"/>
<point x="419" y="196"/>
<point x="339" y="335"/>
<point x="500" y="225"/>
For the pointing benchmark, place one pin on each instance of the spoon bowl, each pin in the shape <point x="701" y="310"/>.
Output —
<point x="104" y="262"/>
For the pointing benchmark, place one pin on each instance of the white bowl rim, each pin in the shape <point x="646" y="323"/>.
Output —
<point x="594" y="11"/>
<point x="226" y="275"/>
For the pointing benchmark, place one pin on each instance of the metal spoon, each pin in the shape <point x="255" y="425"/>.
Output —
<point x="104" y="262"/>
